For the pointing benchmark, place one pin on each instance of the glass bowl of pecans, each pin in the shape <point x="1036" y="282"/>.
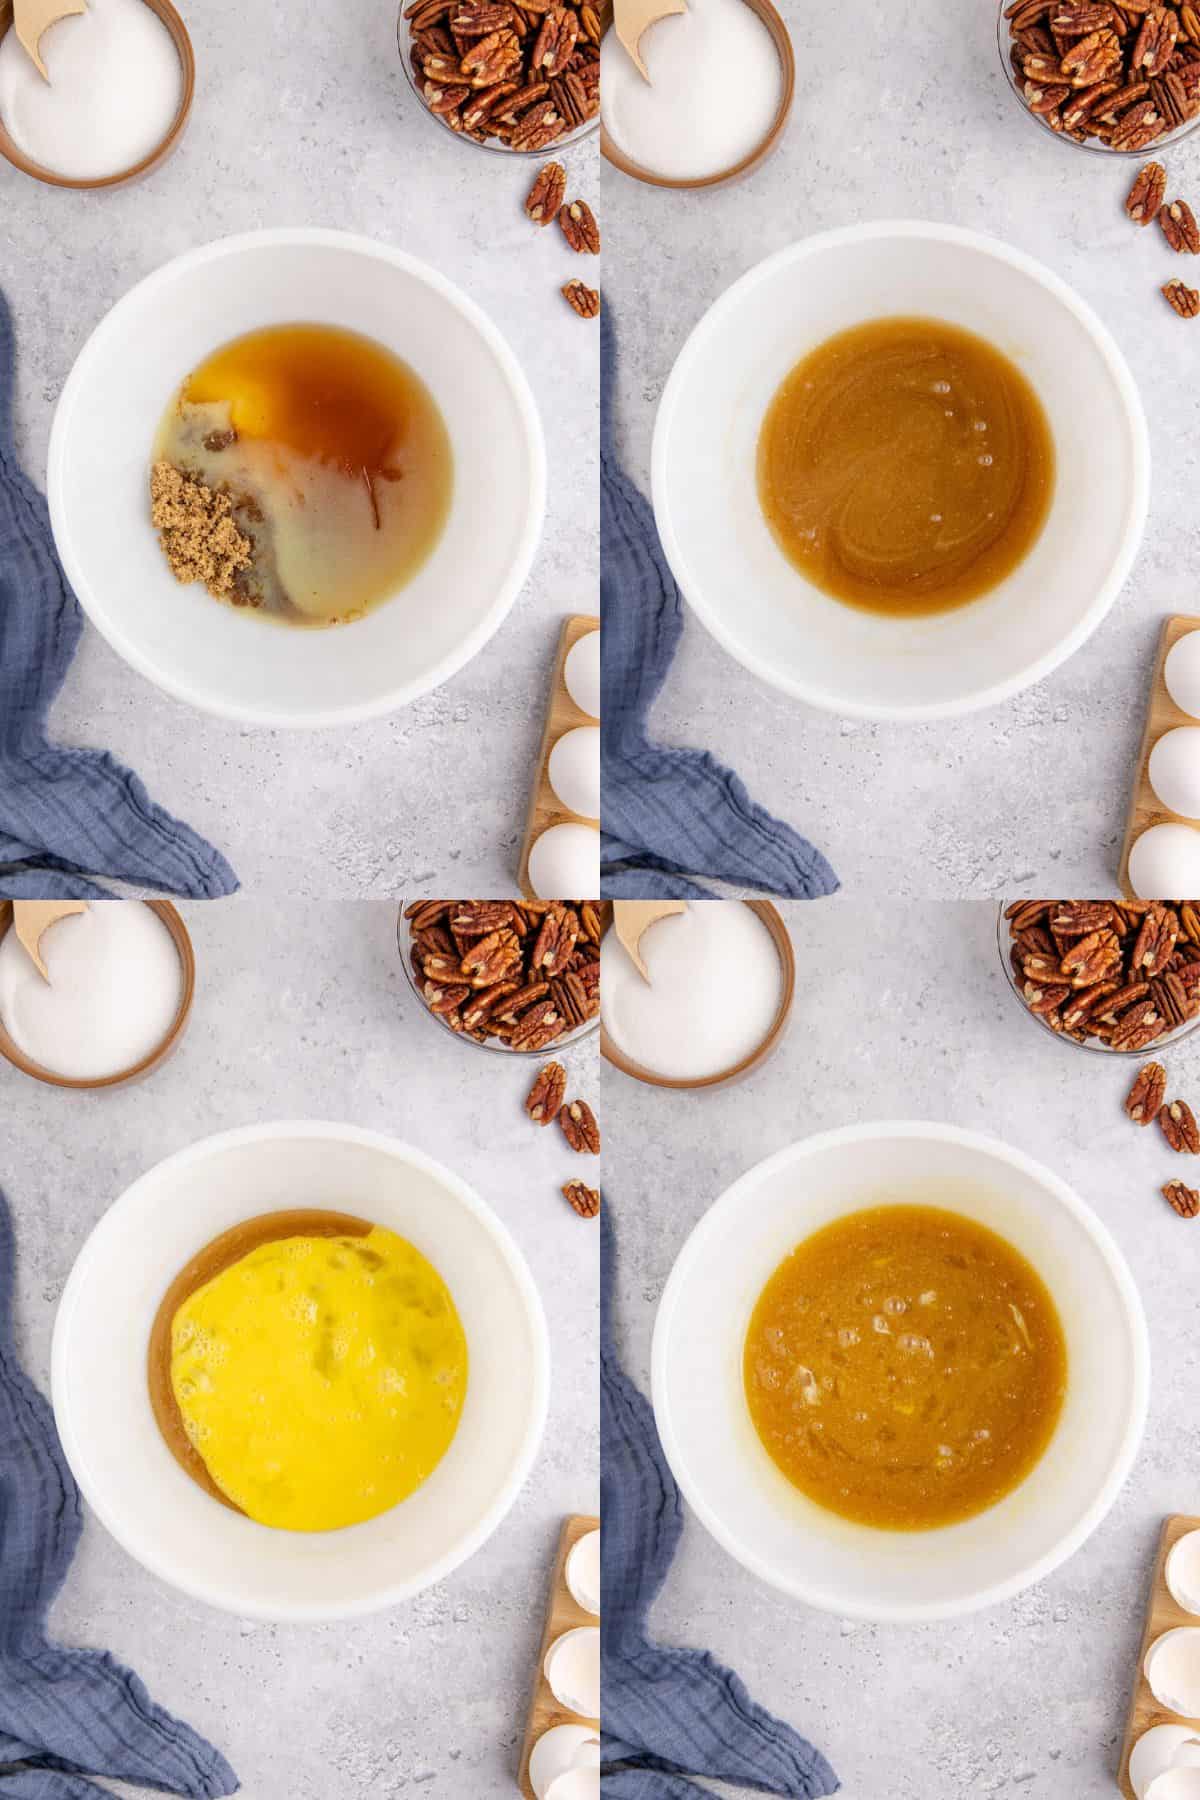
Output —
<point x="518" y="977"/>
<point x="1120" y="977"/>
<point x="523" y="80"/>
<point x="1121" y="79"/>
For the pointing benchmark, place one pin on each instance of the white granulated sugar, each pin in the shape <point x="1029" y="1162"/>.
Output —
<point x="714" y="90"/>
<point x="714" y="991"/>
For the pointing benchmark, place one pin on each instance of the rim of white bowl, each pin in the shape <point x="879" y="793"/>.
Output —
<point x="741" y="1194"/>
<point x="531" y="532"/>
<point x="229" y="1599"/>
<point x="846" y="706"/>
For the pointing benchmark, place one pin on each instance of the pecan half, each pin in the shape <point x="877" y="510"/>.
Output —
<point x="555" y="42"/>
<point x="546" y="1095"/>
<point x="1155" y="941"/>
<point x="1183" y="300"/>
<point x="583" y="300"/>
<point x="1184" y="1200"/>
<point x="1156" y="41"/>
<point x="1179" y="1127"/>
<point x="546" y="195"/>
<point x="580" y="229"/>
<point x="538" y="127"/>
<point x="491" y="959"/>
<point x="585" y="1200"/>
<point x="1146" y="194"/>
<point x="1092" y="959"/>
<point x="537" y="1027"/>
<point x="580" y="1129"/>
<point x="1094" y="58"/>
<point x="1137" y="127"/>
<point x="1137" y="1027"/>
<point x="1180" y="229"/>
<point x="1146" y="1096"/>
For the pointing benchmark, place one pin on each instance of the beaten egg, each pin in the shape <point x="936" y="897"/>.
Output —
<point x="318" y="1375"/>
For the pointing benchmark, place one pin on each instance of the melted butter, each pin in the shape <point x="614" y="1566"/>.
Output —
<point x="905" y="466"/>
<point x="905" y="1367"/>
<point x="319" y="1378"/>
<point x="336" y="457"/>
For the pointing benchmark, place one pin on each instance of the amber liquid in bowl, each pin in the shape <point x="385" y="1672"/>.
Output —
<point x="905" y="1367"/>
<point x="335" y="456"/>
<point x="905" y="466"/>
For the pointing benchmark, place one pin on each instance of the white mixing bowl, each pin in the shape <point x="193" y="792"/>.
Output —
<point x="758" y="605"/>
<point x="102" y="1402"/>
<point x="740" y="1494"/>
<point x="232" y="662"/>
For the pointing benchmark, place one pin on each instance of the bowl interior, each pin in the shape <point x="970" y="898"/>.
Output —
<point x="102" y="1404"/>
<point x="740" y="1494"/>
<point x="754" y="600"/>
<point x="233" y="662"/>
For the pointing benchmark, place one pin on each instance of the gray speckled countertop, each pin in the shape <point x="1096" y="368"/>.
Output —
<point x="302" y="1011"/>
<point x="303" y="117"/>
<point x="906" y="113"/>
<point x="902" y="1010"/>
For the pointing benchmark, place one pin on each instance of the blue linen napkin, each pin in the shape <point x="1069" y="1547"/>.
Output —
<point x="667" y="813"/>
<point x="66" y="1714"/>
<point x="66" y="814"/>
<point x="668" y="1713"/>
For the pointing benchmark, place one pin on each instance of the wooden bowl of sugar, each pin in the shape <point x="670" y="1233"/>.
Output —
<point x="718" y="1001"/>
<point x="156" y="1052"/>
<point x="672" y="131"/>
<point x="111" y="58"/>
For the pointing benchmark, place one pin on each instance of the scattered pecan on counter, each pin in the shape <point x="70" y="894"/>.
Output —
<point x="580" y="1129"/>
<point x="546" y="1094"/>
<point x="524" y="75"/>
<point x="579" y="227"/>
<point x="583" y="300"/>
<point x="1179" y="1127"/>
<point x="1147" y="1094"/>
<point x="521" y="973"/>
<point x="1185" y="1200"/>
<point x="1182" y="299"/>
<point x="545" y="197"/>
<point x="1122" y="972"/>
<point x="1179" y="228"/>
<point x="584" y="1199"/>
<point x="1125" y="75"/>
<point x="1147" y="194"/>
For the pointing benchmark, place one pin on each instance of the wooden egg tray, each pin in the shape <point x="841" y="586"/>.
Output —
<point x="562" y="714"/>
<point x="1163" y="1613"/>
<point x="563" y="1613"/>
<point x="1162" y="715"/>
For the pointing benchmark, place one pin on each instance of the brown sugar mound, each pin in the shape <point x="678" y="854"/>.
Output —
<point x="197" y="531"/>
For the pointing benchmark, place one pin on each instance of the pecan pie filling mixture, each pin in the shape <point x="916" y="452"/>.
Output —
<point x="303" y="471"/>
<point x="905" y="466"/>
<point x="905" y="1367"/>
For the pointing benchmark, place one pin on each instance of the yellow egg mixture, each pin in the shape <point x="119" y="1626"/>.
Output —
<point x="905" y="1367"/>
<point x="320" y="1378"/>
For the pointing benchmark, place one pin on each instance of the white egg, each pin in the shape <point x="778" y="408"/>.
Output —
<point x="565" y="862"/>
<point x="574" y="770"/>
<point x="1182" y="1572"/>
<point x="1174" y="1784"/>
<point x="583" y="1573"/>
<point x="559" y="1751"/>
<point x="581" y="673"/>
<point x="1165" y="860"/>
<point x="572" y="1667"/>
<point x="1172" y="1668"/>
<point x="1174" y="770"/>
<point x="576" y="1784"/>
<point x="1157" y="1750"/>
<point x="1181" y="672"/>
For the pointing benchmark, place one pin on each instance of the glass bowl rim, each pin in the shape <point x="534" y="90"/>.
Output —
<point x="1166" y="142"/>
<point x="566" y="142"/>
<point x="567" y="1041"/>
<point x="1147" y="1052"/>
